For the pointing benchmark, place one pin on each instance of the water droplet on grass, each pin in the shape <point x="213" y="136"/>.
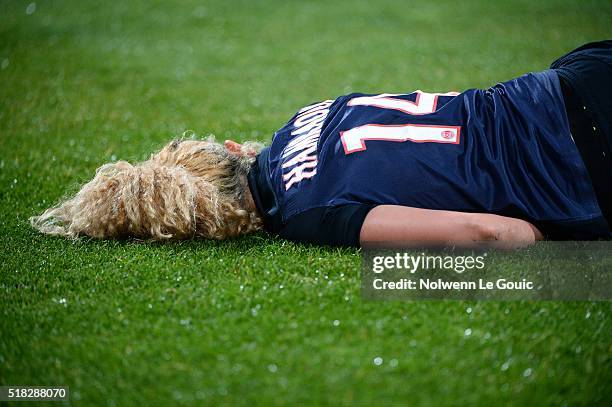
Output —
<point x="272" y="368"/>
<point x="527" y="372"/>
<point x="200" y="12"/>
<point x="393" y="363"/>
<point x="468" y="310"/>
<point x="336" y="322"/>
<point x="378" y="361"/>
<point x="31" y="9"/>
<point x="467" y="332"/>
<point x="505" y="366"/>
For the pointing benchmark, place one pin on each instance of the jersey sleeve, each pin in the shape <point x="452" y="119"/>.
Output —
<point x="328" y="225"/>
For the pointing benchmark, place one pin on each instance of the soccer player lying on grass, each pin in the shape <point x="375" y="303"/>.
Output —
<point x="524" y="160"/>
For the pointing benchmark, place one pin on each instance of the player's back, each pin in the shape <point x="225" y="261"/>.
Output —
<point x="505" y="150"/>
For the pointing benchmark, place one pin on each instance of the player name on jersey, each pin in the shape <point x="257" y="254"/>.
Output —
<point x="299" y="158"/>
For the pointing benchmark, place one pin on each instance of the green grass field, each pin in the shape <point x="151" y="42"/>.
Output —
<point x="256" y="320"/>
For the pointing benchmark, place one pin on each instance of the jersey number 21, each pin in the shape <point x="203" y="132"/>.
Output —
<point x="354" y="139"/>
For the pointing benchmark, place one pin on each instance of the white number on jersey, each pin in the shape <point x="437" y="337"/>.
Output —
<point x="354" y="139"/>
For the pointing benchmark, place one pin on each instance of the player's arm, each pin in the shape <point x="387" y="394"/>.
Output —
<point x="414" y="227"/>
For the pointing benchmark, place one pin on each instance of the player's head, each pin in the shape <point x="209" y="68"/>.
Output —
<point x="189" y="188"/>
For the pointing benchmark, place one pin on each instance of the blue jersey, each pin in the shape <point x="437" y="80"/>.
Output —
<point x="505" y="150"/>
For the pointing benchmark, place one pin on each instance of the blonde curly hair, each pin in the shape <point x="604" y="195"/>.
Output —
<point x="188" y="189"/>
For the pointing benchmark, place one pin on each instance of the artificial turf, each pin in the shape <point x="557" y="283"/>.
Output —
<point x="256" y="320"/>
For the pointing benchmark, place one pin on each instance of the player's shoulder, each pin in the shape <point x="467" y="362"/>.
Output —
<point x="333" y="225"/>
